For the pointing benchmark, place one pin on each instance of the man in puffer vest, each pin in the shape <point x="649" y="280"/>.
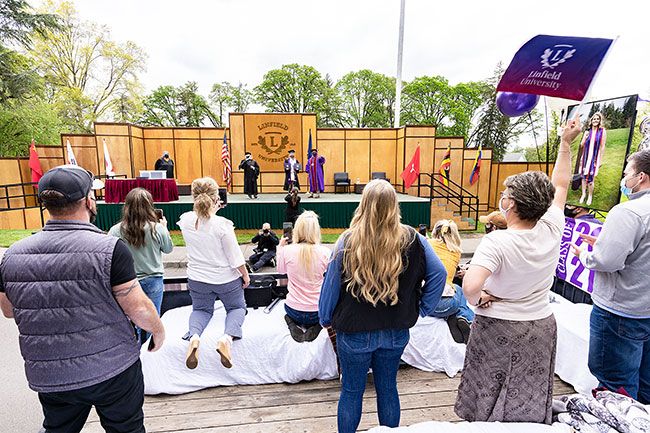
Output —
<point x="73" y="293"/>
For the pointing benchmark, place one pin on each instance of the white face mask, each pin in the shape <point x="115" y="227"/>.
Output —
<point x="503" y="211"/>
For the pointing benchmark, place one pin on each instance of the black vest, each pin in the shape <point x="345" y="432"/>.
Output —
<point x="355" y="315"/>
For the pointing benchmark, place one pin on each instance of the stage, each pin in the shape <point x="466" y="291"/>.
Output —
<point x="335" y="210"/>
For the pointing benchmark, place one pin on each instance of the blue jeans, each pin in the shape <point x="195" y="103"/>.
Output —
<point x="303" y="318"/>
<point x="619" y="353"/>
<point x="153" y="288"/>
<point x="454" y="305"/>
<point x="359" y="351"/>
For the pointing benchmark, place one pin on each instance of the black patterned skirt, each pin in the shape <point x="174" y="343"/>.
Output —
<point x="509" y="371"/>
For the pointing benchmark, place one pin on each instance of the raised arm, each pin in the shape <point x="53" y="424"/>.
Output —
<point x="562" y="170"/>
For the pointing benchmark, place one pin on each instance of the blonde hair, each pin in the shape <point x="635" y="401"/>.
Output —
<point x="374" y="245"/>
<point x="601" y="119"/>
<point x="446" y="231"/>
<point x="205" y="192"/>
<point x="306" y="233"/>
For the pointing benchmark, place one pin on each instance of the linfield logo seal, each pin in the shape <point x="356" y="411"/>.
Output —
<point x="551" y="58"/>
<point x="273" y="141"/>
<point x="556" y="55"/>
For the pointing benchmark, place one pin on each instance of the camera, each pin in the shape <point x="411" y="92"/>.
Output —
<point x="266" y="231"/>
<point x="159" y="213"/>
<point x="422" y="229"/>
<point x="223" y="196"/>
<point x="287" y="231"/>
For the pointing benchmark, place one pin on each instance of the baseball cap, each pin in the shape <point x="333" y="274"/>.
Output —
<point x="72" y="181"/>
<point x="495" y="218"/>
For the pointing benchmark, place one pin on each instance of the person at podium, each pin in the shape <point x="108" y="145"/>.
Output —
<point x="165" y="163"/>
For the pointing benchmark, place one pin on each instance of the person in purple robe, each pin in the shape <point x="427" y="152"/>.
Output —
<point x="593" y="149"/>
<point x="314" y="169"/>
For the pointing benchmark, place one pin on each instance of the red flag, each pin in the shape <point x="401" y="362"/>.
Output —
<point x="412" y="170"/>
<point x="35" y="163"/>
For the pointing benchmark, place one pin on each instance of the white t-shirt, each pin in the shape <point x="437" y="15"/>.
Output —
<point x="213" y="254"/>
<point x="522" y="263"/>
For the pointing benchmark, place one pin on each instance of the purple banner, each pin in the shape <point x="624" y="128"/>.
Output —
<point x="569" y="267"/>
<point x="558" y="66"/>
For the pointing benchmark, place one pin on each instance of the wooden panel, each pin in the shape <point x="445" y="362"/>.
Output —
<point x="136" y="131"/>
<point x="80" y="140"/>
<point x="271" y="182"/>
<point x="12" y="219"/>
<point x="50" y="151"/>
<point x="382" y="157"/>
<point x="357" y="160"/>
<point x="383" y="133"/>
<point x="238" y="182"/>
<point x="215" y="133"/>
<point x="139" y="156"/>
<point x="494" y="186"/>
<point x="357" y="134"/>
<point x="10" y="174"/>
<point x="426" y="157"/>
<point x="269" y="137"/>
<point x="420" y="131"/>
<point x="331" y="134"/>
<point x="111" y="129"/>
<point x="158" y="133"/>
<point x="334" y="153"/>
<point x="186" y="133"/>
<point x="87" y="158"/>
<point x="211" y="158"/>
<point x="399" y="162"/>
<point x="27" y="177"/>
<point x="236" y="138"/>
<point x="188" y="160"/>
<point x="154" y="147"/>
<point x="119" y="151"/>
<point x="33" y="218"/>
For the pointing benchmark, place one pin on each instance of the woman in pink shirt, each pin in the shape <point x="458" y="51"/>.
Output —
<point x="304" y="261"/>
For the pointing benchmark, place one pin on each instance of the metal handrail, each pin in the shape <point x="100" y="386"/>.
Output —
<point x="466" y="202"/>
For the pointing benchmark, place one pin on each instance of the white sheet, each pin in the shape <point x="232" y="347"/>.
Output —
<point x="432" y="348"/>
<point x="265" y="354"/>
<point x="573" y="344"/>
<point x="475" y="427"/>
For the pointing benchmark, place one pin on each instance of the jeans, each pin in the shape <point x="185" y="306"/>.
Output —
<point x="619" y="353"/>
<point x="204" y="295"/>
<point x="118" y="402"/>
<point x="258" y="260"/>
<point x="454" y="305"/>
<point x="153" y="288"/>
<point x="359" y="351"/>
<point x="302" y="318"/>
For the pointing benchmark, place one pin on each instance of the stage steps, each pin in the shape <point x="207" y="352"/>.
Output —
<point x="440" y="209"/>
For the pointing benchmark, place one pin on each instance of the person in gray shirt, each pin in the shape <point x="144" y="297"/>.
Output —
<point x="619" y="343"/>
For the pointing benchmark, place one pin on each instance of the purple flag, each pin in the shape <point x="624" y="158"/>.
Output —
<point x="558" y="66"/>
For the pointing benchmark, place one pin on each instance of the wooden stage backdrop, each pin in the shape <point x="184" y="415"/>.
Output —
<point x="268" y="136"/>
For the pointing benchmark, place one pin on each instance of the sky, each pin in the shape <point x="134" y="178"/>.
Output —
<point x="463" y="40"/>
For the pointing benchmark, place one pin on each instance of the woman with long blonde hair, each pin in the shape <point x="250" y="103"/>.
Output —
<point x="215" y="270"/>
<point x="147" y="238"/>
<point x="304" y="261"/>
<point x="592" y="148"/>
<point x="372" y="295"/>
<point x="445" y="240"/>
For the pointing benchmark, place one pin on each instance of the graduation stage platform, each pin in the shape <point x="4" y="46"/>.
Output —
<point x="334" y="210"/>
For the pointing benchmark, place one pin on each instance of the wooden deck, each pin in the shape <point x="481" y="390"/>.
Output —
<point x="304" y="407"/>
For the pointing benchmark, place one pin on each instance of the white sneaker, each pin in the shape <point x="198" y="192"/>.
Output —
<point x="589" y="200"/>
<point x="582" y="198"/>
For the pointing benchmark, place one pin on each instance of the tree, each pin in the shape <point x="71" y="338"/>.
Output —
<point x="86" y="72"/>
<point x="291" y="89"/>
<point x="464" y="100"/>
<point x="368" y="98"/>
<point x="18" y="22"/>
<point x="21" y="123"/>
<point x="177" y="106"/>
<point x="426" y="101"/>
<point x="226" y="98"/>
<point x="330" y="107"/>
<point x="493" y="129"/>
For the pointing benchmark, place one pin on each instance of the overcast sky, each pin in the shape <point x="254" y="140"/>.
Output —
<point x="239" y="40"/>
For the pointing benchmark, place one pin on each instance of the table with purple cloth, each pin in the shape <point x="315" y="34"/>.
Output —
<point x="162" y="190"/>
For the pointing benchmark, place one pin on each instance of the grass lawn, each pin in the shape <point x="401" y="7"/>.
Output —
<point x="8" y="237"/>
<point x="607" y="181"/>
<point x="329" y="236"/>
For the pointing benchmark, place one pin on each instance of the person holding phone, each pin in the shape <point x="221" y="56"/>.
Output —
<point x="510" y="358"/>
<point x="144" y="230"/>
<point x="216" y="269"/>
<point x="293" y="206"/>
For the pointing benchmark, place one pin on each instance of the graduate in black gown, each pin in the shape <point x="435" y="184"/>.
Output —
<point x="251" y="173"/>
<point x="165" y="163"/>
<point x="291" y="169"/>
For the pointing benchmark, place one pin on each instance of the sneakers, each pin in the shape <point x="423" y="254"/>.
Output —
<point x="589" y="199"/>
<point x="296" y="333"/>
<point x="248" y="268"/>
<point x="312" y="332"/>
<point x="464" y="327"/>
<point x="192" y="357"/>
<point x="456" y="334"/>
<point x="582" y="198"/>
<point x="223" y="348"/>
<point x="273" y="263"/>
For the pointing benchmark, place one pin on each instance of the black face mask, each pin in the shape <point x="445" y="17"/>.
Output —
<point x="571" y="213"/>
<point x="93" y="214"/>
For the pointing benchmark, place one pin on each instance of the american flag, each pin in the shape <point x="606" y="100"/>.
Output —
<point x="225" y="159"/>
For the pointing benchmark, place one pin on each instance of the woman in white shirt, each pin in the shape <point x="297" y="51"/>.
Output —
<point x="215" y="270"/>
<point x="510" y="357"/>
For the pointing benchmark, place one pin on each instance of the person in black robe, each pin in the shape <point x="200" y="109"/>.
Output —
<point x="251" y="173"/>
<point x="291" y="169"/>
<point x="165" y="163"/>
<point x="293" y="206"/>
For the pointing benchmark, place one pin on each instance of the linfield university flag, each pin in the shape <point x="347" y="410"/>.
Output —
<point x="557" y="66"/>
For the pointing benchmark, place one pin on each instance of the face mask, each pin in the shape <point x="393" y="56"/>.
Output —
<point x="571" y="213"/>
<point x="93" y="214"/>
<point x="503" y="211"/>
<point x="626" y="190"/>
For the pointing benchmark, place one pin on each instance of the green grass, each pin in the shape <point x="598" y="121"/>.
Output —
<point x="8" y="237"/>
<point x="609" y="175"/>
<point x="245" y="236"/>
